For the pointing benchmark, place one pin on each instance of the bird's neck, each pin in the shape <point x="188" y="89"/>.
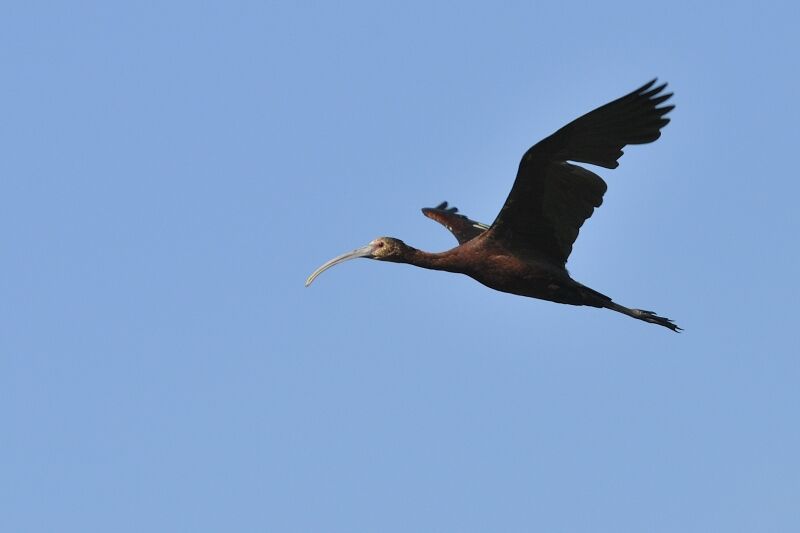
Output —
<point x="432" y="261"/>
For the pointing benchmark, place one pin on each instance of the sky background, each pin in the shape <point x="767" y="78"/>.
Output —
<point x="172" y="171"/>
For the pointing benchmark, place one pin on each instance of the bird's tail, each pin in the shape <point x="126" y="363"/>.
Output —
<point x="641" y="314"/>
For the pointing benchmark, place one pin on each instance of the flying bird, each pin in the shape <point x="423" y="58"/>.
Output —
<point x="525" y="250"/>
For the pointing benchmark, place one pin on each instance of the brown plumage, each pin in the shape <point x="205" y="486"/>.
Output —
<point x="526" y="248"/>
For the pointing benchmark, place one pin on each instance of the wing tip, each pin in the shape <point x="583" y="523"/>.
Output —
<point x="443" y="206"/>
<point x="646" y="86"/>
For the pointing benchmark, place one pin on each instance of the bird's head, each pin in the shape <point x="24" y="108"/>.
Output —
<point x="382" y="249"/>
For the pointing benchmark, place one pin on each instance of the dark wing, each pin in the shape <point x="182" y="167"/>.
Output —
<point x="460" y="226"/>
<point x="551" y="198"/>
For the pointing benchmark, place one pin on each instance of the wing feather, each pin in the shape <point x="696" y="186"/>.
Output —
<point x="551" y="199"/>
<point x="463" y="228"/>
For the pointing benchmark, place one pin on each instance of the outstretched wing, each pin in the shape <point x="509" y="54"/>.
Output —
<point x="551" y="198"/>
<point x="460" y="226"/>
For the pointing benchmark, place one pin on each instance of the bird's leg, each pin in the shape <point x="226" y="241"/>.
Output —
<point x="641" y="314"/>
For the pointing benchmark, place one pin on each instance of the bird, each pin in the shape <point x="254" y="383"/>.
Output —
<point x="525" y="250"/>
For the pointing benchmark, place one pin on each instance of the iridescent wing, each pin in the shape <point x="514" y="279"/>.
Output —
<point x="551" y="199"/>
<point x="463" y="228"/>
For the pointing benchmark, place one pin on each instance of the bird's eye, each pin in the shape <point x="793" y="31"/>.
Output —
<point x="380" y="244"/>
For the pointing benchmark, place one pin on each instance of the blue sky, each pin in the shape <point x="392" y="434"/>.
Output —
<point x="171" y="173"/>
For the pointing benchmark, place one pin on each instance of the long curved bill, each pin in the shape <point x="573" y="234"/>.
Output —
<point x="364" y="251"/>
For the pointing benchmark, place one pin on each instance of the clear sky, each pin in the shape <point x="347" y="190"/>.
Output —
<point x="172" y="171"/>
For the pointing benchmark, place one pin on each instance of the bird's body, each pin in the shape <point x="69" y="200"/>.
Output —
<point x="494" y="265"/>
<point x="525" y="250"/>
